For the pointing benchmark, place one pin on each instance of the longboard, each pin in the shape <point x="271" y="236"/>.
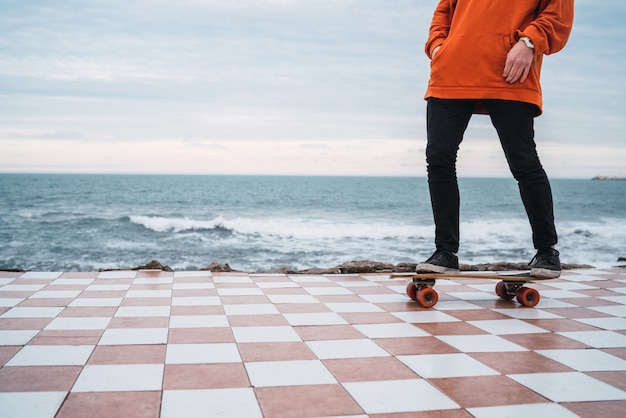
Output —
<point x="509" y="286"/>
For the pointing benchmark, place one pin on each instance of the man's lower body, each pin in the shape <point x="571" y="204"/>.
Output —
<point x="447" y="121"/>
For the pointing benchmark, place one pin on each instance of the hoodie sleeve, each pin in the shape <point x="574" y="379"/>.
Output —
<point x="440" y="25"/>
<point x="550" y="30"/>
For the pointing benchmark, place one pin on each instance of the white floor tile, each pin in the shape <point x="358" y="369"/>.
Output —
<point x="76" y="323"/>
<point x="108" y="287"/>
<point x="52" y="355"/>
<point x="251" y="309"/>
<point x="276" y="285"/>
<point x="586" y="360"/>
<point x="598" y="339"/>
<point x="617" y="310"/>
<point x="523" y="313"/>
<point x="291" y="299"/>
<point x="142" y="311"/>
<point x="327" y="291"/>
<point x="395" y="396"/>
<point x="425" y="317"/>
<point x="569" y="387"/>
<point x="288" y="373"/>
<point x="507" y="327"/>
<point x="240" y="402"/>
<point x="162" y="293"/>
<point x="353" y="307"/>
<point x="17" y="337"/>
<point x="32" y="312"/>
<point x="232" y="279"/>
<point x="386" y="298"/>
<point x="474" y="295"/>
<point x="22" y="287"/>
<point x="562" y="294"/>
<point x="617" y="299"/>
<point x="202" y="353"/>
<point x="391" y="330"/>
<point x="342" y="349"/>
<point x="123" y="274"/>
<point x="131" y="336"/>
<point x="240" y="291"/>
<point x="31" y="404"/>
<point x="119" y="377"/>
<point x="198" y="273"/>
<point x="56" y="294"/>
<point x="609" y="324"/>
<point x="551" y="410"/>
<point x="41" y="275"/>
<point x="432" y="366"/>
<point x="10" y="302"/>
<point x="324" y="318"/>
<point x="265" y="334"/>
<point x="153" y="280"/>
<point x="193" y="286"/>
<point x="480" y="343"/>
<point x="309" y="278"/>
<point x="95" y="302"/>
<point x="73" y="281"/>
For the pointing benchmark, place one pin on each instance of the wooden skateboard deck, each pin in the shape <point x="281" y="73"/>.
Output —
<point x="509" y="286"/>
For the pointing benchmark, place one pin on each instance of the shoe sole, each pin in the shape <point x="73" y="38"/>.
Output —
<point x="544" y="273"/>
<point x="433" y="268"/>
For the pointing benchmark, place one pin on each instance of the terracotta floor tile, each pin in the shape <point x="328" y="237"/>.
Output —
<point x="146" y="302"/>
<point x="369" y="317"/>
<point x="47" y="302"/>
<point x="520" y="362"/>
<point x="614" y="409"/>
<point x="577" y="312"/>
<point x="87" y="311"/>
<point x="369" y="369"/>
<point x="408" y="306"/>
<point x="544" y="341"/>
<point x="140" y="322"/>
<point x="205" y="376"/>
<point x="468" y="392"/>
<point x="561" y="325"/>
<point x="275" y="351"/>
<point x="617" y="379"/>
<point x="328" y="332"/>
<point x="477" y="315"/>
<point x="284" y="291"/>
<point x="78" y="275"/>
<point x="415" y="345"/>
<point x="454" y="413"/>
<point x="24" y="323"/>
<point x="200" y="335"/>
<point x="450" y="328"/>
<point x="306" y="401"/>
<point x="617" y="352"/>
<point x="371" y="290"/>
<point x="6" y="352"/>
<point x="128" y="354"/>
<point x="153" y="273"/>
<point x="340" y="299"/>
<point x="193" y="293"/>
<point x="38" y="378"/>
<point x="111" y="404"/>
<point x="70" y="337"/>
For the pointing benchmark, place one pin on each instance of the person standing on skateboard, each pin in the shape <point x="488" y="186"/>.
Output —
<point x="486" y="58"/>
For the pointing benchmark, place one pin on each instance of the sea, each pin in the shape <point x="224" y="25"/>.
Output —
<point x="87" y="222"/>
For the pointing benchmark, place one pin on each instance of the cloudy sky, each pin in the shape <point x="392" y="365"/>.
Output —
<point x="332" y="87"/>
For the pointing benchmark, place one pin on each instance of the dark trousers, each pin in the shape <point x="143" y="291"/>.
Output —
<point x="447" y="121"/>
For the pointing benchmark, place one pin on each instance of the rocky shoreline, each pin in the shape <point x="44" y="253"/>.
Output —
<point x="355" y="267"/>
<point x="352" y="267"/>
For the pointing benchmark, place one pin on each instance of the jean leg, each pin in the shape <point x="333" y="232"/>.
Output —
<point x="446" y="122"/>
<point x="514" y="122"/>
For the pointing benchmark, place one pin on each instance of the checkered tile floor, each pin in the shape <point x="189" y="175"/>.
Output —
<point x="187" y="344"/>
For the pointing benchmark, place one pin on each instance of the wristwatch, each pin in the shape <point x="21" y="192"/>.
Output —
<point x="527" y="41"/>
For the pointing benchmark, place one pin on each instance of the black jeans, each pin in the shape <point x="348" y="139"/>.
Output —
<point x="447" y="121"/>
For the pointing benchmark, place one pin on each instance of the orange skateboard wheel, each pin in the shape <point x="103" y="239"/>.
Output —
<point x="427" y="297"/>
<point x="411" y="290"/>
<point x="528" y="296"/>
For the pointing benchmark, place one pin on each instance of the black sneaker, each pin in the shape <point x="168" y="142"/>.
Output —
<point x="546" y="264"/>
<point x="442" y="261"/>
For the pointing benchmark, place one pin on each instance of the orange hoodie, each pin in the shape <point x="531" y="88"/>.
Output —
<point x="475" y="37"/>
